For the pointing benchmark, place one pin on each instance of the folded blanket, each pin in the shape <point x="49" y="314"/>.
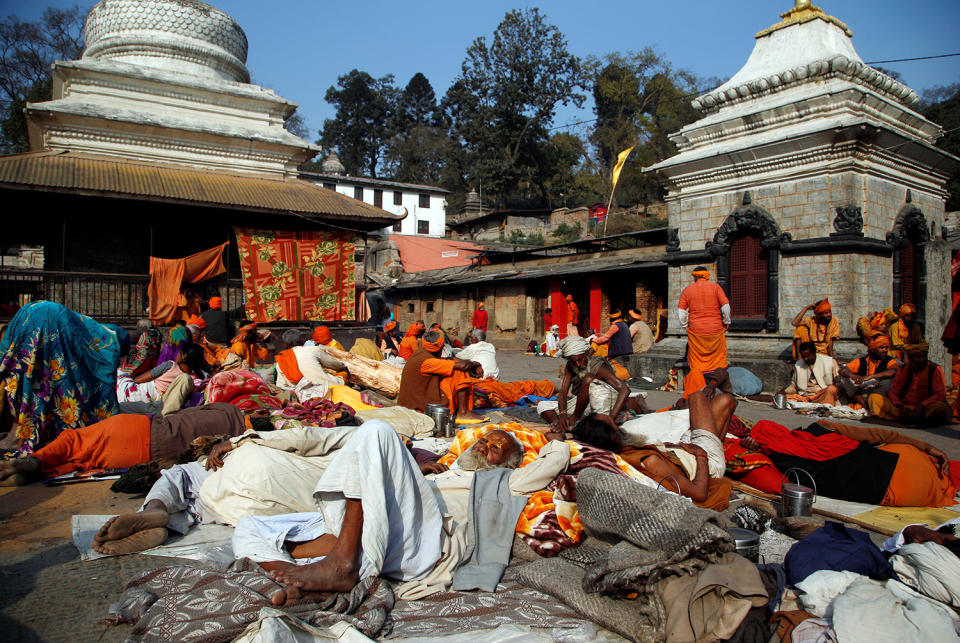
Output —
<point x="636" y="537"/>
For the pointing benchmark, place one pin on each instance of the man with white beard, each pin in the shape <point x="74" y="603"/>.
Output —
<point x="378" y="515"/>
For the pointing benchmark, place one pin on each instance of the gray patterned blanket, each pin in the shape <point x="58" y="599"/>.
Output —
<point x="634" y="537"/>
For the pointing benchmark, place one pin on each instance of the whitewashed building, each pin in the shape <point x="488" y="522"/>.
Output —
<point x="423" y="207"/>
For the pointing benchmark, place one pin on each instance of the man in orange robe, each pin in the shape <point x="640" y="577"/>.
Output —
<point x="411" y="341"/>
<point x="573" y="316"/>
<point x="428" y="379"/>
<point x="704" y="312"/>
<point x="821" y="329"/>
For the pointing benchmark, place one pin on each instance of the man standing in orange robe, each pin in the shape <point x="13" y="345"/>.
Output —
<point x="704" y="312"/>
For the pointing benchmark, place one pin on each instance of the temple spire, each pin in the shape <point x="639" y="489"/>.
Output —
<point x="803" y="11"/>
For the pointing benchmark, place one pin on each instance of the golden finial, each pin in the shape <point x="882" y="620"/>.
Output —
<point x="803" y="11"/>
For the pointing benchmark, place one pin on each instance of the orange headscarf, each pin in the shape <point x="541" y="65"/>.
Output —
<point x="390" y="325"/>
<point x="877" y="320"/>
<point x="879" y="341"/>
<point x="701" y="273"/>
<point x="243" y="331"/>
<point x="196" y="320"/>
<point x="413" y="329"/>
<point x="906" y="309"/>
<point x="635" y="315"/>
<point x="615" y="315"/>
<point x="433" y="347"/>
<point x="321" y="335"/>
<point x="822" y="307"/>
<point x="216" y="303"/>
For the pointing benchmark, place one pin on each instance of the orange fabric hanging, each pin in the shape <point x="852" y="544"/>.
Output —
<point x="168" y="275"/>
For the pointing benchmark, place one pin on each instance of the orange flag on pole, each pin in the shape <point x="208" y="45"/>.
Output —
<point x="621" y="159"/>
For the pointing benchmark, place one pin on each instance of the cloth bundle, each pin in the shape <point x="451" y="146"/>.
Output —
<point x="639" y="539"/>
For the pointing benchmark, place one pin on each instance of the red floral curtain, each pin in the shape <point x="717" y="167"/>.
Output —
<point x="294" y="276"/>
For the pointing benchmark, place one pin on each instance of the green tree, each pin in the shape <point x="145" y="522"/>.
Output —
<point x="362" y="126"/>
<point x="504" y="100"/>
<point x="27" y="50"/>
<point x="639" y="100"/>
<point x="419" y="150"/>
<point x="942" y="106"/>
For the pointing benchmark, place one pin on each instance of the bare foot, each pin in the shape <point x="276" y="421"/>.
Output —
<point x="285" y="594"/>
<point x="125" y="525"/>
<point x="331" y="574"/>
<point x="28" y="464"/>
<point x="135" y="542"/>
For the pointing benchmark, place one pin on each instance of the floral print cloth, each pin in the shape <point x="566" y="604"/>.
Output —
<point x="549" y="522"/>
<point x="307" y="274"/>
<point x="58" y="371"/>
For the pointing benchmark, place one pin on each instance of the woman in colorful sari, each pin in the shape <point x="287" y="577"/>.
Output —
<point x="58" y="370"/>
<point x="173" y="382"/>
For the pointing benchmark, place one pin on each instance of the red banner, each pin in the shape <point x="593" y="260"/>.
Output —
<point x="295" y="276"/>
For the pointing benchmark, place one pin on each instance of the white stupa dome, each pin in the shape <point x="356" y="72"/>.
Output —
<point x="185" y="36"/>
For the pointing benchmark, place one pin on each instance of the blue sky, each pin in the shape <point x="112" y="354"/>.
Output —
<point x="299" y="47"/>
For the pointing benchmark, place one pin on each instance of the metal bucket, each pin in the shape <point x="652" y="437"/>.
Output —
<point x="795" y="498"/>
<point x="747" y="542"/>
<point x="441" y="416"/>
<point x="780" y="401"/>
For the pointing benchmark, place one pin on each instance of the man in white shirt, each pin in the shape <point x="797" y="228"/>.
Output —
<point x="814" y="377"/>
<point x="480" y="350"/>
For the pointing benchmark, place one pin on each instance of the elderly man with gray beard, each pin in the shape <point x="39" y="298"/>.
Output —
<point x="378" y="515"/>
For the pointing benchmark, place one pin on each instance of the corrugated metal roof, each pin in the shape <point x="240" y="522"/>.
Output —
<point x="65" y="171"/>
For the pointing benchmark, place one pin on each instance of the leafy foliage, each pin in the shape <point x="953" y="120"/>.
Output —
<point x="362" y="126"/>
<point x="566" y="233"/>
<point x="639" y="99"/>
<point x="504" y="100"/>
<point x="942" y="106"/>
<point x="27" y="50"/>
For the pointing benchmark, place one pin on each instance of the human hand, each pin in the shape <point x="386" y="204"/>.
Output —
<point x="432" y="467"/>
<point x="562" y="423"/>
<point x="215" y="458"/>
<point x="940" y="459"/>
<point x="554" y="435"/>
<point x="710" y="391"/>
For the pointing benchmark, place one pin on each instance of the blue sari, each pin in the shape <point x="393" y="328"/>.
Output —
<point x="58" y="370"/>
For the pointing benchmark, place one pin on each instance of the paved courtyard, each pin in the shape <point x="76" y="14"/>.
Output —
<point x="48" y="594"/>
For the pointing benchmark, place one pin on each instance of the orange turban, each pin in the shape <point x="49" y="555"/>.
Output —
<point x="701" y="272"/>
<point x="413" y="329"/>
<point x="480" y="305"/>
<point x="434" y="346"/>
<point x="196" y="320"/>
<point x="635" y="314"/>
<point x="879" y="341"/>
<point x="321" y="335"/>
<point x="877" y="320"/>
<point x="907" y="309"/>
<point x="216" y="303"/>
<point x="615" y="315"/>
<point x="390" y="325"/>
<point x="822" y="307"/>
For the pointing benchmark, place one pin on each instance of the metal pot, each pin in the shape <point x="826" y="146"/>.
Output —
<point x="795" y="498"/>
<point x="780" y="401"/>
<point x="441" y="416"/>
<point x="748" y="543"/>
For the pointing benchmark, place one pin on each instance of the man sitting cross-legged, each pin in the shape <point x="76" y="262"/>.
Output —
<point x="594" y="387"/>
<point x="378" y="515"/>
<point x="429" y="379"/>
<point x="695" y="465"/>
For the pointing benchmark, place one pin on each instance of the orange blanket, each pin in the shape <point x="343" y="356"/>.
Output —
<point x="168" y="275"/>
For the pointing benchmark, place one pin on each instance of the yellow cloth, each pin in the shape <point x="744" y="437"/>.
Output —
<point x="351" y="397"/>
<point x="366" y="348"/>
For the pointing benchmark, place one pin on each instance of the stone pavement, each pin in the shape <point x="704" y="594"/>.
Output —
<point x="48" y="594"/>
